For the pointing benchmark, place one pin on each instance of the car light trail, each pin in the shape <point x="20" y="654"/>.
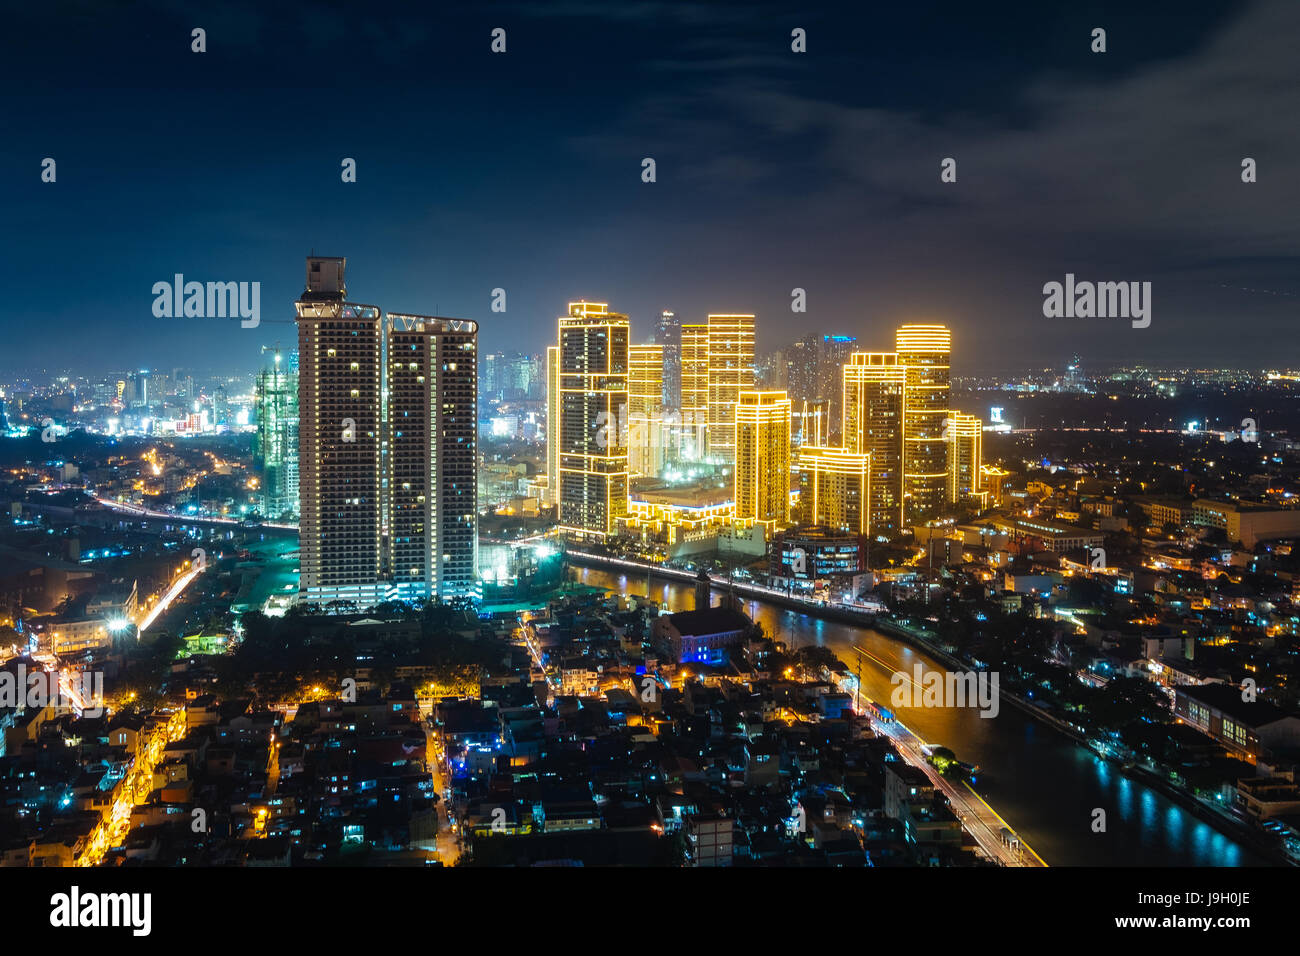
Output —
<point x="177" y="587"/>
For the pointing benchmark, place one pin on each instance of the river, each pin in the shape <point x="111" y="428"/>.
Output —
<point x="1044" y="785"/>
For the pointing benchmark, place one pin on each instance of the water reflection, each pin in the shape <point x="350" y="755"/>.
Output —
<point x="1045" y="786"/>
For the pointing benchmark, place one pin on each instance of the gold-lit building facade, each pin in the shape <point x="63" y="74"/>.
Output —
<point x="925" y="351"/>
<point x="965" y="448"/>
<point x="730" y="372"/>
<point x="762" y="435"/>
<point x="645" y="438"/>
<point x="694" y="411"/>
<point x="835" y="489"/>
<point x="593" y="399"/>
<point x="874" y="386"/>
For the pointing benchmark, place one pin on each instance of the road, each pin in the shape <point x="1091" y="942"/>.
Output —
<point x="139" y="512"/>
<point x="448" y="842"/>
<point x="979" y="819"/>
<point x="528" y="632"/>
<point x="179" y="585"/>
<point x="134" y="789"/>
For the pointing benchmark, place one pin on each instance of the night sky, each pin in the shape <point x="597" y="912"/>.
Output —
<point x="775" y="170"/>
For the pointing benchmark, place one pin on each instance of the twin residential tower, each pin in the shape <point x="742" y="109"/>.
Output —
<point x="387" y="447"/>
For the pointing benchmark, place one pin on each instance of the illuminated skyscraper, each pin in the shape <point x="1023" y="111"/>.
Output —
<point x="762" y="435"/>
<point x="925" y="351"/>
<point x="220" y="406"/>
<point x="731" y="371"/>
<point x="276" y="451"/>
<point x="645" y="379"/>
<point x="965" y="438"/>
<point x="835" y="489"/>
<point x="694" y="389"/>
<point x="832" y="354"/>
<point x="552" y="424"/>
<point x="433" y="457"/>
<point x="801" y="359"/>
<point x="669" y="335"/>
<point x="137" y="389"/>
<point x="645" y="409"/>
<point x="593" y="461"/>
<point x="874" y="386"/>
<point x="388" y="456"/>
<point x="340" y="351"/>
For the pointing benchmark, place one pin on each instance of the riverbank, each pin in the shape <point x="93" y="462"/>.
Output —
<point x="1228" y="827"/>
<point x="829" y="612"/>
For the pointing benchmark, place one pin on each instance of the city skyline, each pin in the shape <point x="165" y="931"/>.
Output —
<point x="664" y="434"/>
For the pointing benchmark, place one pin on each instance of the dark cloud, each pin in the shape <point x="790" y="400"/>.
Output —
<point x="775" y="169"/>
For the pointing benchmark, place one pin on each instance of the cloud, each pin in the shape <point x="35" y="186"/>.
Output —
<point x="645" y="11"/>
<point x="1151" y="155"/>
